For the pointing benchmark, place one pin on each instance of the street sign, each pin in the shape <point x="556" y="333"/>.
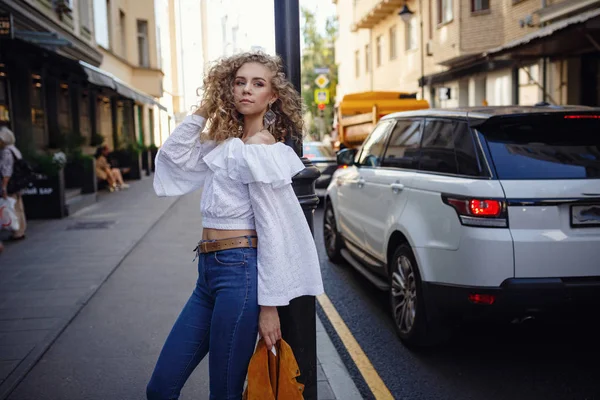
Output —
<point x="6" y="26"/>
<point x="321" y="106"/>
<point x="444" y="93"/>
<point x="321" y="70"/>
<point x="322" y="81"/>
<point x="322" y="96"/>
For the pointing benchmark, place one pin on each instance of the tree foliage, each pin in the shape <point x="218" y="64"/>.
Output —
<point x="319" y="52"/>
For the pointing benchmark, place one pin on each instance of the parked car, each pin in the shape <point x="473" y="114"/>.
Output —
<point x="322" y="157"/>
<point x="491" y="212"/>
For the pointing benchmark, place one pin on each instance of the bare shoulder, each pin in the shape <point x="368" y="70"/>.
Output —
<point x="262" y="137"/>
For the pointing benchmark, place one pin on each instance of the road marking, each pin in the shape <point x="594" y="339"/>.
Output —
<point x="370" y="375"/>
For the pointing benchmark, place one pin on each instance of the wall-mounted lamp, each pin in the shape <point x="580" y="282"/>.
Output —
<point x="406" y="14"/>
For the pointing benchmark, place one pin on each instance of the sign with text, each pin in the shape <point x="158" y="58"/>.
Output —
<point x="444" y="93"/>
<point x="322" y="96"/>
<point x="6" y="26"/>
<point x="321" y="70"/>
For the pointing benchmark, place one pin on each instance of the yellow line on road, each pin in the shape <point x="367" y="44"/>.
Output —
<point x="372" y="378"/>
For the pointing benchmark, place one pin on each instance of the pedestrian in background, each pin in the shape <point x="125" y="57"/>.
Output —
<point x="8" y="154"/>
<point x="257" y="251"/>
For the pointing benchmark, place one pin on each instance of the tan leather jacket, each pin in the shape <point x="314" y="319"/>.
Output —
<point x="273" y="377"/>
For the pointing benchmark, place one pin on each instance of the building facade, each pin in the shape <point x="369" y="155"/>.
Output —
<point x="44" y="93"/>
<point x="127" y="35"/>
<point x="472" y="52"/>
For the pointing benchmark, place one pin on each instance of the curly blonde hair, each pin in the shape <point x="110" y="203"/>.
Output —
<point x="218" y="100"/>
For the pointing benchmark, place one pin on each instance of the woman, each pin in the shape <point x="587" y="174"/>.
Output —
<point x="104" y="171"/>
<point x="257" y="251"/>
<point x="8" y="154"/>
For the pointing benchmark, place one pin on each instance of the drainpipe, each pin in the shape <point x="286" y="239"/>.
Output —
<point x="371" y="53"/>
<point x="545" y="68"/>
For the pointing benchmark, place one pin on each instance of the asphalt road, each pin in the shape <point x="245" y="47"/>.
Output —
<point x="540" y="360"/>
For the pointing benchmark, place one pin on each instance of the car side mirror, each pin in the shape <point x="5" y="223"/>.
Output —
<point x="346" y="157"/>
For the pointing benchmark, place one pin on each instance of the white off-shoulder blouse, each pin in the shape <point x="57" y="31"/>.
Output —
<point x="246" y="186"/>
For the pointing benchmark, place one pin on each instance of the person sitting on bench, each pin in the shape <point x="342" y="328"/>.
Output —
<point x="105" y="172"/>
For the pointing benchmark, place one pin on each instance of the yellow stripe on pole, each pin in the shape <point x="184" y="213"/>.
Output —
<point x="370" y="375"/>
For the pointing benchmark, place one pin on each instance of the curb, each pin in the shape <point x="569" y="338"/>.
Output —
<point x="335" y="371"/>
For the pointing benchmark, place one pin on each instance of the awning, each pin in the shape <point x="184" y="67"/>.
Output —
<point x="102" y="78"/>
<point x="466" y="70"/>
<point x="554" y="39"/>
<point x="48" y="40"/>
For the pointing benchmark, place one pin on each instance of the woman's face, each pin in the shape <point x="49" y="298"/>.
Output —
<point x="252" y="90"/>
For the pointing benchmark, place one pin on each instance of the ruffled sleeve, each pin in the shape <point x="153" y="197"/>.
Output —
<point x="275" y="164"/>
<point x="288" y="264"/>
<point x="179" y="165"/>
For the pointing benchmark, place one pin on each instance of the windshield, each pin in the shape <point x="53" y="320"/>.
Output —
<point x="317" y="150"/>
<point x="546" y="147"/>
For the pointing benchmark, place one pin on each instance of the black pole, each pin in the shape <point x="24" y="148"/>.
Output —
<point x="298" y="321"/>
<point x="421" y="13"/>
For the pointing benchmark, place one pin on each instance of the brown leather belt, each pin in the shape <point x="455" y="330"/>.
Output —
<point x="226" y="244"/>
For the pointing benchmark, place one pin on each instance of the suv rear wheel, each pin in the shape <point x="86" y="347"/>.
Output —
<point x="406" y="299"/>
<point x="333" y="240"/>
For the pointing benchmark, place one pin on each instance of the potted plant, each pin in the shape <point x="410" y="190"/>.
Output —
<point x="45" y="196"/>
<point x="80" y="172"/>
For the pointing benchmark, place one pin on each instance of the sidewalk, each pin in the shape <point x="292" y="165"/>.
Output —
<point x="86" y="302"/>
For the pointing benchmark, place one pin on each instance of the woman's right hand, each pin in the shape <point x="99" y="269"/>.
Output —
<point x="268" y="325"/>
<point x="201" y="111"/>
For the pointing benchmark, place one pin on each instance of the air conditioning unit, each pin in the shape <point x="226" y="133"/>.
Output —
<point x="429" y="48"/>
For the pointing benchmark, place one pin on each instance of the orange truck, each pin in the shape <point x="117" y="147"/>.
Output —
<point x="358" y="113"/>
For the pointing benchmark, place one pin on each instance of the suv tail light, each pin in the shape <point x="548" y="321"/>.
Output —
<point x="487" y="213"/>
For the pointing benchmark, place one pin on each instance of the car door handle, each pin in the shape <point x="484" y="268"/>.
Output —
<point x="361" y="182"/>
<point x="397" y="187"/>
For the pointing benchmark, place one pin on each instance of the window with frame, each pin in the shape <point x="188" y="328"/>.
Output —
<point x="393" y="51"/>
<point x="378" y="50"/>
<point x="448" y="147"/>
<point x="109" y="26"/>
<point x="480" y="5"/>
<point x="84" y="14"/>
<point x="143" y="45"/>
<point x="411" y="34"/>
<point x="357" y="63"/>
<point x="4" y="106"/>
<point x="122" y="34"/>
<point x="367" y="58"/>
<point x="84" y="115"/>
<point x="445" y="13"/>
<point x="372" y="148"/>
<point x="403" y="148"/>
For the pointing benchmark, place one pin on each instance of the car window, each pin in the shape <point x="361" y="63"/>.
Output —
<point x="403" y="148"/>
<point x="372" y="148"/>
<point x="449" y="147"/>
<point x="437" y="147"/>
<point x="467" y="156"/>
<point x="543" y="147"/>
<point x="317" y="150"/>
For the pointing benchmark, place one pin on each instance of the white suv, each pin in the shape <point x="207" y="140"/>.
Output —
<point x="472" y="212"/>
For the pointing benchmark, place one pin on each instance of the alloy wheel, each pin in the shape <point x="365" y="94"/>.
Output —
<point x="404" y="294"/>
<point x="330" y="231"/>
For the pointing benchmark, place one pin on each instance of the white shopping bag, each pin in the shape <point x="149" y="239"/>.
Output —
<point x="8" y="216"/>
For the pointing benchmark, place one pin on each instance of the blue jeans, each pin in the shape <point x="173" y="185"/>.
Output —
<point x="220" y="318"/>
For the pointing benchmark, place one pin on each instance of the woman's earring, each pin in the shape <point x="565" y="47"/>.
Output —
<point x="270" y="117"/>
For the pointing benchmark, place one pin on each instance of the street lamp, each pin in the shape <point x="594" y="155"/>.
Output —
<point x="406" y="14"/>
